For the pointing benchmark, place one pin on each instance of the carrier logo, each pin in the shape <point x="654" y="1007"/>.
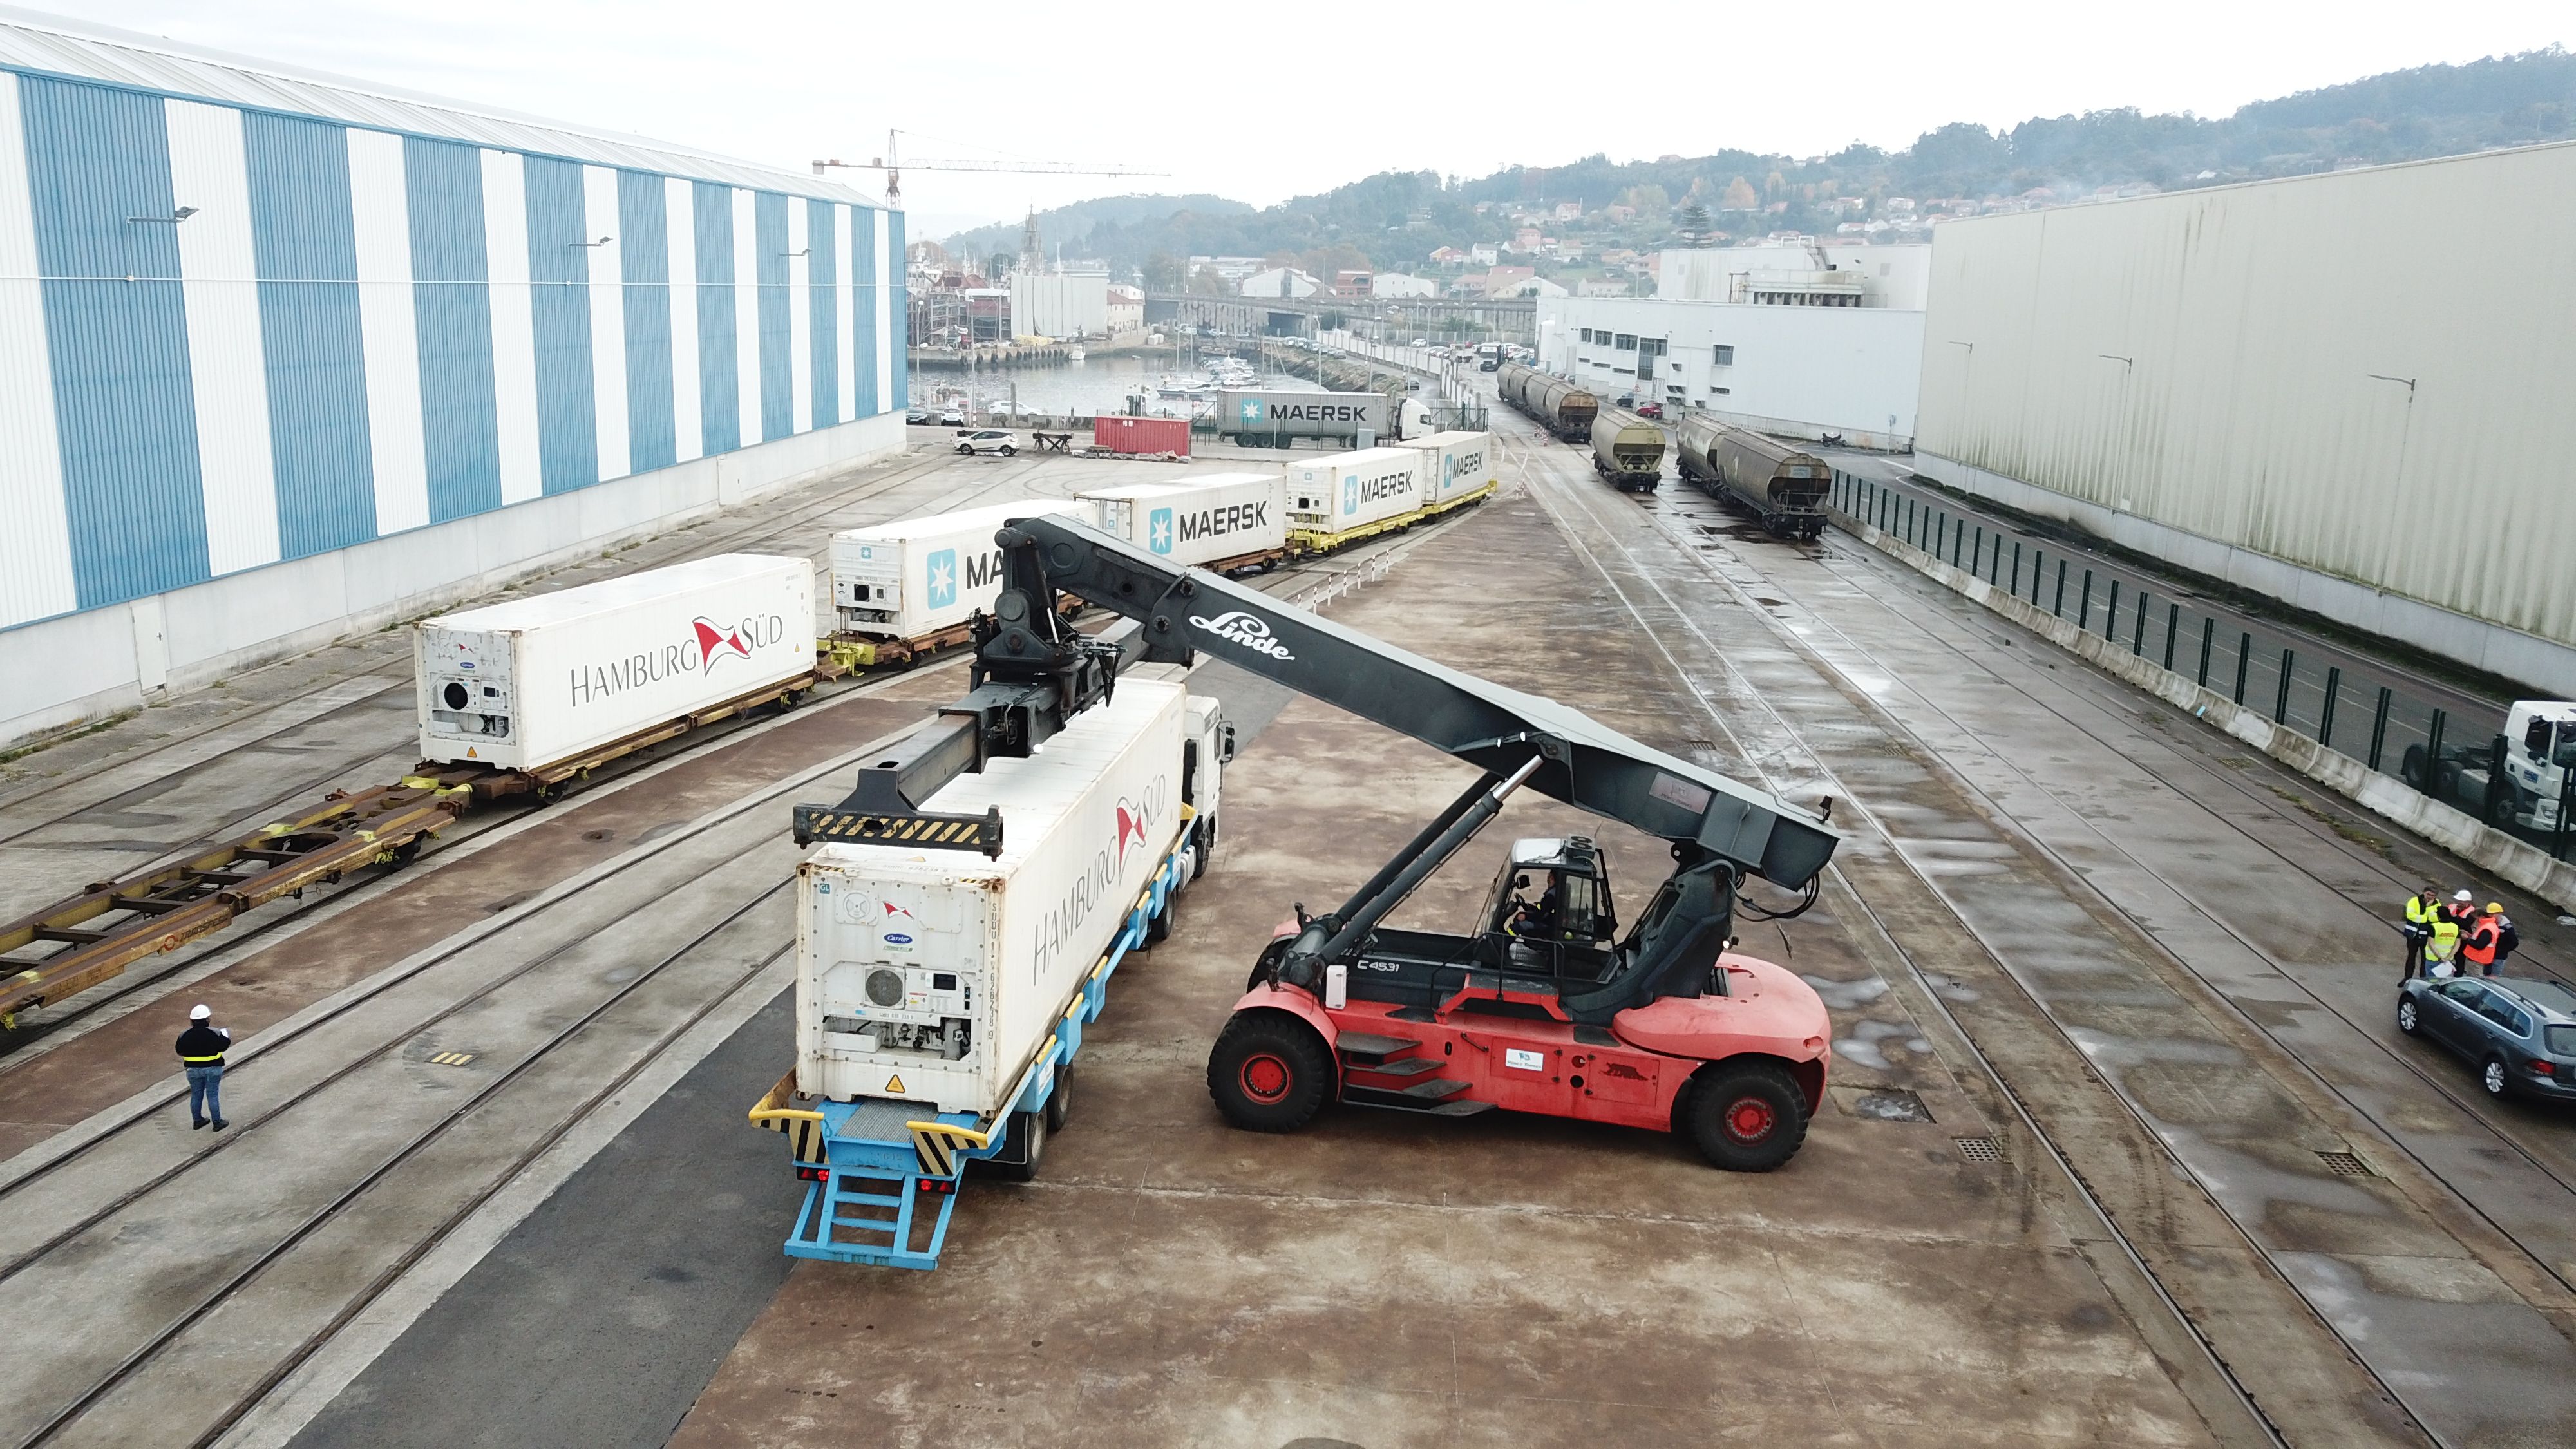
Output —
<point x="1356" y="490"/>
<point x="943" y="578"/>
<point x="715" y="642"/>
<point x="1158" y="530"/>
<point x="1252" y="410"/>
<point x="1237" y="627"/>
<point x="1131" y="827"/>
<point x="1216" y="522"/>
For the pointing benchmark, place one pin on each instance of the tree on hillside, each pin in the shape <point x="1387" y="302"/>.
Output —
<point x="1740" y="196"/>
<point x="1693" y="222"/>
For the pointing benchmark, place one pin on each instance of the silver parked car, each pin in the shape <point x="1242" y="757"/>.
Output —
<point x="2519" y="1033"/>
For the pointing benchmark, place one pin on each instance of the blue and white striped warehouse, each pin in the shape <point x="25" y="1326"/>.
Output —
<point x="249" y="317"/>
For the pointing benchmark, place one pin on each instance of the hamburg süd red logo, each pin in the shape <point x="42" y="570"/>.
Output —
<point x="1131" y="828"/>
<point x="719" y="640"/>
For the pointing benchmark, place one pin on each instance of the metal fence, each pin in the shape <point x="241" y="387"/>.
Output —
<point x="2453" y="756"/>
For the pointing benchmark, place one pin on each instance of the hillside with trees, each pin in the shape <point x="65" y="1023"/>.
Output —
<point x="1393" y="220"/>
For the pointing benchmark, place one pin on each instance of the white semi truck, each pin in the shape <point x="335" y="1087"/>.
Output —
<point x="941" y="993"/>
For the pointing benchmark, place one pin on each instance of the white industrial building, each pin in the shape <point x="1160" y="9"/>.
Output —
<point x="286" y="357"/>
<point x="1281" y="282"/>
<point x="1830" y="274"/>
<point x="1796" y="371"/>
<point x="1397" y="284"/>
<point x="1060" y="304"/>
<point x="2260" y="383"/>
<point x="1126" y="310"/>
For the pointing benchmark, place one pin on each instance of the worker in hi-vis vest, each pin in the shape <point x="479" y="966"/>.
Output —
<point x="201" y="1051"/>
<point x="2422" y="909"/>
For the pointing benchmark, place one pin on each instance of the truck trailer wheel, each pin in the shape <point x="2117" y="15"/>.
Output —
<point x="1019" y="1158"/>
<point x="1158" y="926"/>
<point x="1745" y="1116"/>
<point x="2410" y="766"/>
<point x="1059" y="1103"/>
<point x="1269" y="1072"/>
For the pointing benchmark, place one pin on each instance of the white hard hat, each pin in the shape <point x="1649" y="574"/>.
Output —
<point x="2464" y="898"/>
<point x="199" y="1012"/>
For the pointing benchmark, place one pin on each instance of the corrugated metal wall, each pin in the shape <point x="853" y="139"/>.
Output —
<point x="2281" y="367"/>
<point x="357" y="332"/>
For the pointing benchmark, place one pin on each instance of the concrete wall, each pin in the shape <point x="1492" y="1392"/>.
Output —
<point x="1797" y="371"/>
<point x="95" y="663"/>
<point x="2262" y="382"/>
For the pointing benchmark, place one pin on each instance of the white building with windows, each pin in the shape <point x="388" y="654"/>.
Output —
<point x="1282" y="282"/>
<point x="1800" y="372"/>
<point x="1830" y="274"/>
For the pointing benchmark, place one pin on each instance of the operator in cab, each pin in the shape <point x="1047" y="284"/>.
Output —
<point x="1543" y="919"/>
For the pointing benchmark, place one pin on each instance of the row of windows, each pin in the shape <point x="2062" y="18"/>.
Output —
<point x="1722" y="354"/>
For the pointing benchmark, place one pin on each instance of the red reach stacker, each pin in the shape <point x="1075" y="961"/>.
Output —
<point x="1547" y="1004"/>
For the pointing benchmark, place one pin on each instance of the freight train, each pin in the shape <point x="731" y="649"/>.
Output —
<point x="1782" y="486"/>
<point x="1555" y="404"/>
<point x="1627" y="450"/>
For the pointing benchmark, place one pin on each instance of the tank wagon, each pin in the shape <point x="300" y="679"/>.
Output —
<point x="1784" y="487"/>
<point x="1627" y="450"/>
<point x="1557" y="405"/>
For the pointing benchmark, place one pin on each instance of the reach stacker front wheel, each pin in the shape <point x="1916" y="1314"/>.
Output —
<point x="1745" y="1116"/>
<point x="1269" y="1072"/>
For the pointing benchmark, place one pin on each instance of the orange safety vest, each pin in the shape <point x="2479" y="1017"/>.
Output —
<point x="2484" y="937"/>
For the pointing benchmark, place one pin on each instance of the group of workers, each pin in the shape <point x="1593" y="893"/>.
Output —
<point x="2448" y="938"/>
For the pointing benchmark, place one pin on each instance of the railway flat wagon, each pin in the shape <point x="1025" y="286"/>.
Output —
<point x="904" y="590"/>
<point x="1555" y="404"/>
<point x="1227" y="522"/>
<point x="1780" y="485"/>
<point x="1347" y="497"/>
<point x="1628" y="450"/>
<point x="549" y="686"/>
<point x="1457" y="468"/>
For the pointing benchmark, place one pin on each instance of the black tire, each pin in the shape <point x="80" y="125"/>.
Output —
<point x="2409" y="1020"/>
<point x="966" y="450"/>
<point x="2493" y="1078"/>
<point x="1158" y="926"/>
<point x="2446" y="782"/>
<point x="1008" y="451"/>
<point x="2502" y="805"/>
<point x="1269" y="1072"/>
<point x="1059" y="1103"/>
<point x="1746" y="1116"/>
<point x="1030" y="1129"/>
<point x="1205" y="846"/>
<point x="2410" y="766"/>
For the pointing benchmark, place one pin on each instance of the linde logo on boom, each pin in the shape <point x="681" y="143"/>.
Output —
<point x="1237" y="627"/>
<point x="709" y="644"/>
<point x="1104" y="879"/>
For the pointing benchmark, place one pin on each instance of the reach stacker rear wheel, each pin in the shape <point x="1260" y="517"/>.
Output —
<point x="1745" y="1116"/>
<point x="1269" y="1072"/>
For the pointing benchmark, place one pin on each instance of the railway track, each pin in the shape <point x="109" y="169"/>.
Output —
<point x="2506" y="1134"/>
<point x="2131" y="1211"/>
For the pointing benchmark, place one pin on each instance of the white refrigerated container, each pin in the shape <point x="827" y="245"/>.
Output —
<point x="1352" y="490"/>
<point x="1198" y="520"/>
<point x="918" y="576"/>
<point x="1455" y="464"/>
<point x="937" y="976"/>
<point x="535" y="682"/>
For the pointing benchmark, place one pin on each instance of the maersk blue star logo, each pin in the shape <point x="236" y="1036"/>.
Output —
<point x="1252" y="410"/>
<point x="1351" y="494"/>
<point x="943" y="578"/>
<point x="1158" y="530"/>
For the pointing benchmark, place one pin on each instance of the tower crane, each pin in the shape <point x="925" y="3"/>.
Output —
<point x="893" y="168"/>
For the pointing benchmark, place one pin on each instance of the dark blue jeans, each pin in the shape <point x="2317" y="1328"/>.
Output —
<point x="205" y="1094"/>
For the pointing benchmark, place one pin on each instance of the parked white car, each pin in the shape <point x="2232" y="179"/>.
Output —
<point x="989" y="440"/>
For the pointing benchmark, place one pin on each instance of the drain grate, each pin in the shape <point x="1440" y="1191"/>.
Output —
<point x="1979" y="1149"/>
<point x="2344" y="1164"/>
<point x="452" y="1059"/>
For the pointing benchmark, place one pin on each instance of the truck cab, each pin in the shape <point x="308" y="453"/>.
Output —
<point x="2540" y="748"/>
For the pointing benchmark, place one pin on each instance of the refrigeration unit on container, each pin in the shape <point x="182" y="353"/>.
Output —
<point x="534" y="683"/>
<point x="1459" y="466"/>
<point x="919" y="577"/>
<point x="1152" y="437"/>
<point x="1275" y="419"/>
<point x="1337" y="496"/>
<point x="1239" y="520"/>
<point x="936" y="976"/>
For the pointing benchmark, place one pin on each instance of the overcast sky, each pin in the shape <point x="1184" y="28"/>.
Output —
<point x="1263" y="101"/>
